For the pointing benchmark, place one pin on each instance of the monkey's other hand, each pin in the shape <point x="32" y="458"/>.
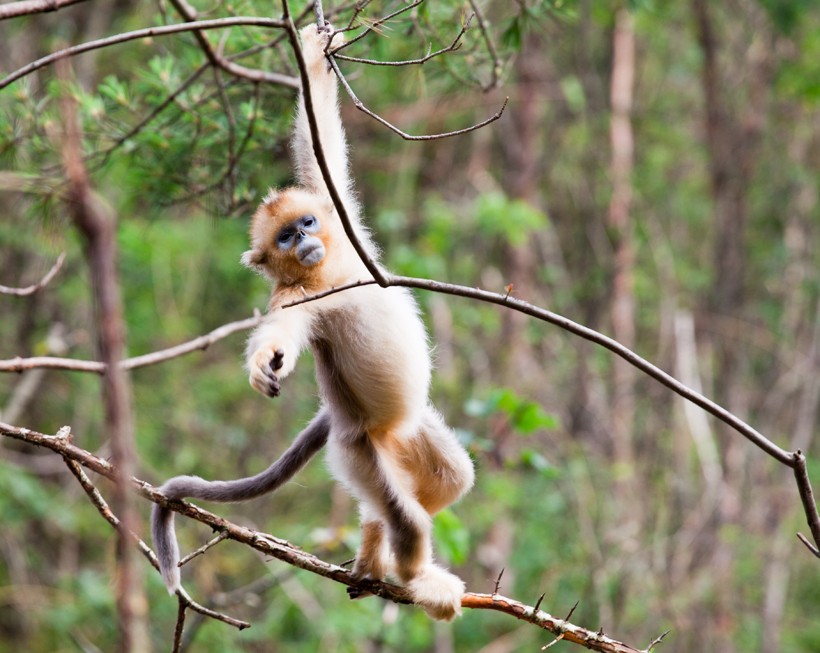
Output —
<point x="263" y="366"/>
<point x="314" y="41"/>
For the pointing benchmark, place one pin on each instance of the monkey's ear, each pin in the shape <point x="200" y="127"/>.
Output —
<point x="271" y="197"/>
<point x="254" y="259"/>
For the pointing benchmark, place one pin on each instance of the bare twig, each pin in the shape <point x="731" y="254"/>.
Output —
<point x="376" y="23"/>
<point x="488" y="40"/>
<point x="217" y="23"/>
<point x="498" y="581"/>
<point x="29" y="7"/>
<point x="656" y="641"/>
<point x="30" y="290"/>
<point x="97" y="367"/>
<point x="180" y="625"/>
<point x="455" y="45"/>
<point x="208" y="545"/>
<point x="408" y="137"/>
<point x="801" y="475"/>
<point x="220" y="62"/>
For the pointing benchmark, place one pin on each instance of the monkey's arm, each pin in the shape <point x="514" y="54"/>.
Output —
<point x="325" y="102"/>
<point x="274" y="347"/>
<point x="304" y="447"/>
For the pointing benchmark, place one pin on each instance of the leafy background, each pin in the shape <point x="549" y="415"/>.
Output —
<point x="644" y="544"/>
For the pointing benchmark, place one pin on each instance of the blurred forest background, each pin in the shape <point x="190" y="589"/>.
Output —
<point x="669" y="200"/>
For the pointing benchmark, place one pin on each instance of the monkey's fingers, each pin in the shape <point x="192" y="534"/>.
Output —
<point x="277" y="361"/>
<point x="271" y="384"/>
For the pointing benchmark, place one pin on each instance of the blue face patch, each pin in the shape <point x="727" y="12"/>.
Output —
<point x="297" y="231"/>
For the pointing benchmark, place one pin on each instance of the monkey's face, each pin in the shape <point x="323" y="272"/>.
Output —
<point x="291" y="237"/>
<point x="299" y="237"/>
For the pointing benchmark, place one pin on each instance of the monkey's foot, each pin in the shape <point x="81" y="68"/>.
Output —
<point x="437" y="591"/>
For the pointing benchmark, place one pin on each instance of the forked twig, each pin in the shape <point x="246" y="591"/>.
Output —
<point x="455" y="45"/>
<point x="409" y="137"/>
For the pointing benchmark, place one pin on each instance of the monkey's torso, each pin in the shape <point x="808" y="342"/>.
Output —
<point x="372" y="357"/>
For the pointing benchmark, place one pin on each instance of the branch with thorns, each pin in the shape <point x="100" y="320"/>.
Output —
<point x="78" y="458"/>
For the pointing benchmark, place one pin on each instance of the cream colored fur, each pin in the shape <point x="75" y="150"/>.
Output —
<point x="385" y="442"/>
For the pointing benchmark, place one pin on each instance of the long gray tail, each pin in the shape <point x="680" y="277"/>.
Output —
<point x="304" y="447"/>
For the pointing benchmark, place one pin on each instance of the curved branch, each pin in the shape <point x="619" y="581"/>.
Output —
<point x="30" y="290"/>
<point x="218" y="61"/>
<point x="217" y="23"/>
<point x="409" y="137"/>
<point x="29" y="7"/>
<point x="97" y="367"/>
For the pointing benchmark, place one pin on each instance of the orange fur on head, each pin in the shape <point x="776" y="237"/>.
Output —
<point x="278" y="209"/>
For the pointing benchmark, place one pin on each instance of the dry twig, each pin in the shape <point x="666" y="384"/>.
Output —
<point x="30" y="290"/>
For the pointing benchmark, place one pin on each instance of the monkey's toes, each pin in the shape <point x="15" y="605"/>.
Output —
<point x="354" y="593"/>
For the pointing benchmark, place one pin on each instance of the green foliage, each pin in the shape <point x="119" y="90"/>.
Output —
<point x="525" y="416"/>
<point x="547" y="504"/>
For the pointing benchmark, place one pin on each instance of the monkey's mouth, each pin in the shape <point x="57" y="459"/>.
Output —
<point x="312" y="255"/>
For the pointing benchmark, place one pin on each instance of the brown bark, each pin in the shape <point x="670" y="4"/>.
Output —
<point x="96" y="224"/>
<point x="620" y="224"/>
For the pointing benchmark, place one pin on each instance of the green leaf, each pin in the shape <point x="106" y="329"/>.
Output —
<point x="452" y="537"/>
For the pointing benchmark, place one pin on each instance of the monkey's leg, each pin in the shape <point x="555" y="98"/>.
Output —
<point x="372" y="558"/>
<point x="441" y="469"/>
<point x="408" y="531"/>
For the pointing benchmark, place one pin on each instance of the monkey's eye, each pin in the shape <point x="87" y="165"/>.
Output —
<point x="284" y="237"/>
<point x="309" y="222"/>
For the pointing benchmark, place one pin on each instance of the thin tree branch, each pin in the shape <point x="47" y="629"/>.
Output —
<point x="488" y="40"/>
<point x="30" y="290"/>
<point x="408" y="137"/>
<point x="455" y="45"/>
<point x="375" y="24"/>
<point x="218" y="61"/>
<point x="201" y="550"/>
<point x="286" y="552"/>
<point x="776" y="452"/>
<point x="29" y="7"/>
<point x="97" y="367"/>
<point x="801" y="475"/>
<point x="217" y="23"/>
<point x="180" y="625"/>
